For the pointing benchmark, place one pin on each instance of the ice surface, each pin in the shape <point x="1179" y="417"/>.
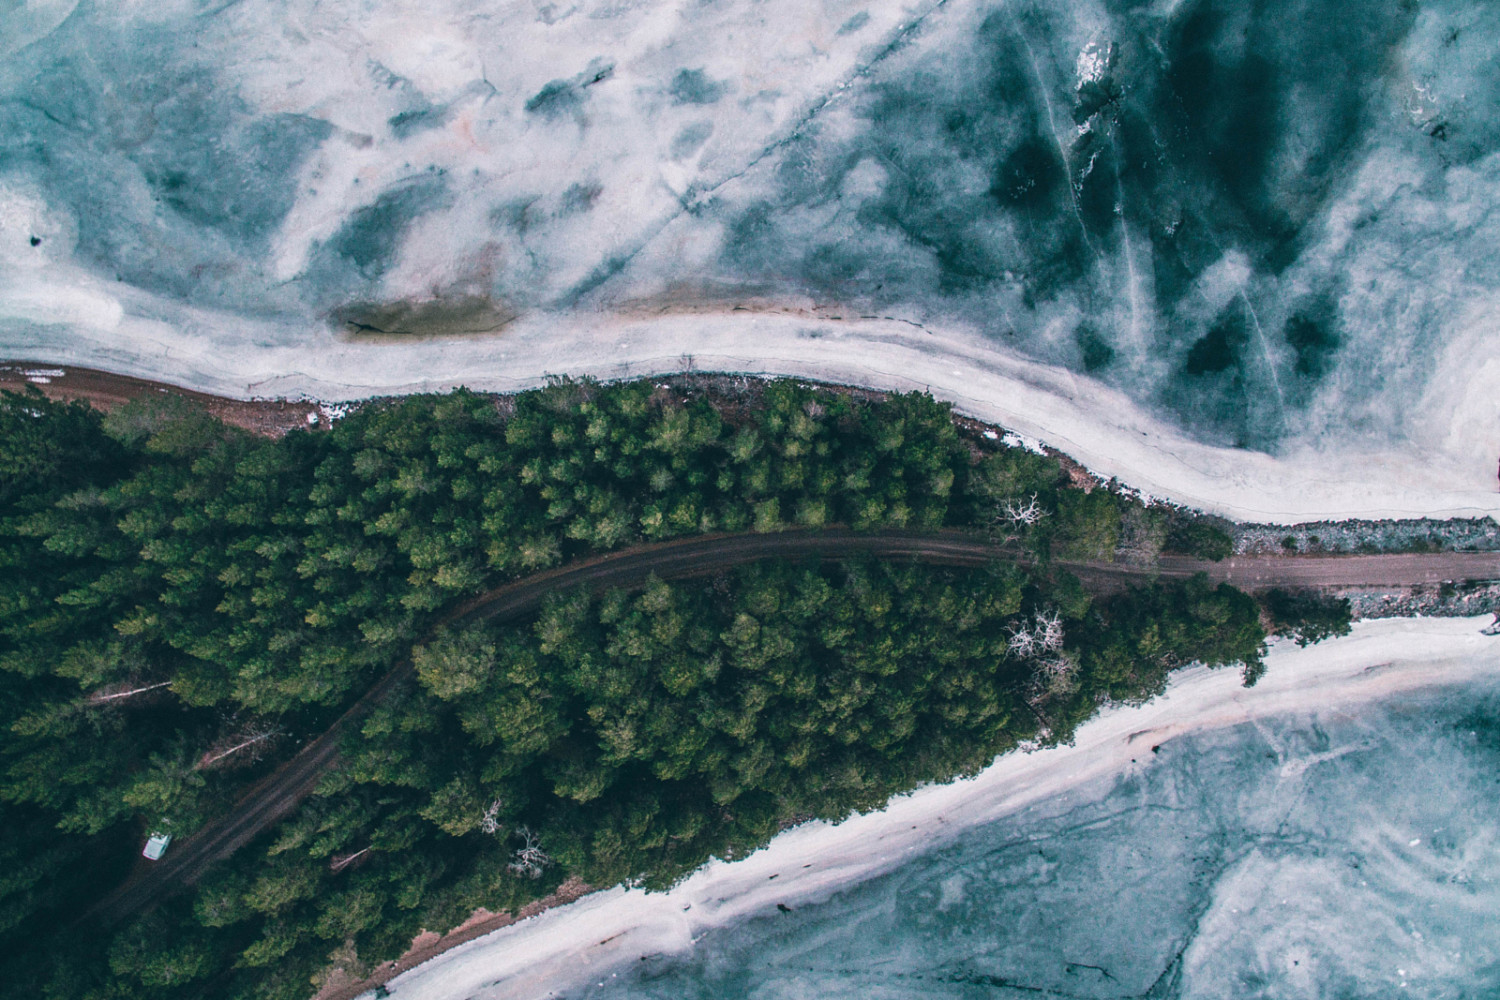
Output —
<point x="1109" y="854"/>
<point x="1144" y="232"/>
<point x="1327" y="854"/>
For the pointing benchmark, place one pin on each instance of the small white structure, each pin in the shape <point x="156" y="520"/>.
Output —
<point x="157" y="846"/>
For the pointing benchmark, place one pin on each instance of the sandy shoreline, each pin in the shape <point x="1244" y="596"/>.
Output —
<point x="570" y="944"/>
<point x="1444" y="467"/>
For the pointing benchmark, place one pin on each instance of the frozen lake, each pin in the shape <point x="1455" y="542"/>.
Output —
<point x="1327" y="854"/>
<point x="1151" y="234"/>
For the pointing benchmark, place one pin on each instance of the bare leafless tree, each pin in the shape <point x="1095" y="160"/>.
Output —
<point x="1022" y="511"/>
<point x="1048" y="630"/>
<point x="1042" y="634"/>
<point x="1055" y="675"/>
<point x="490" y="821"/>
<point x="1013" y="515"/>
<point x="529" y="859"/>
<point x="1022" y="643"/>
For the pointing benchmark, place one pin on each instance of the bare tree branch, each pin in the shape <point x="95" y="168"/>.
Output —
<point x="1042" y="634"/>
<point x="1013" y="515"/>
<point x="490" y="821"/>
<point x="529" y="859"/>
<point x="104" y="694"/>
<point x="1022" y="512"/>
<point x="255" y="735"/>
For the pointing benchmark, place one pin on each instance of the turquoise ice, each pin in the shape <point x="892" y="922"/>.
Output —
<point x="1342" y="855"/>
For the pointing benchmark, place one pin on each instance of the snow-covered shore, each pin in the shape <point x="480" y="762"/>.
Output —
<point x="590" y="938"/>
<point x="1446" y="469"/>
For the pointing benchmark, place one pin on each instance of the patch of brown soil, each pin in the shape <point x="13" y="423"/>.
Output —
<point x="105" y="391"/>
<point x="341" y="985"/>
<point x="398" y="321"/>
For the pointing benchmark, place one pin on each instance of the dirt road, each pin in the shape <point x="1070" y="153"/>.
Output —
<point x="279" y="793"/>
<point x="1341" y="572"/>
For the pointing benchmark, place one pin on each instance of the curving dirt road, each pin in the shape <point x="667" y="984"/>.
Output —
<point x="279" y="793"/>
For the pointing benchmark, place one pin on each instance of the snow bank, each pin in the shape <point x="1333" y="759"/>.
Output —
<point x="1100" y="427"/>
<point x="587" y="939"/>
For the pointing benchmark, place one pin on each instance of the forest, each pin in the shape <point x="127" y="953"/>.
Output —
<point x="183" y="604"/>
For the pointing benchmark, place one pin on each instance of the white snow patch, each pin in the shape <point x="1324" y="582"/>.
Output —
<point x="1093" y="62"/>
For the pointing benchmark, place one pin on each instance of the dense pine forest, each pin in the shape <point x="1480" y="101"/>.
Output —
<point x="182" y="605"/>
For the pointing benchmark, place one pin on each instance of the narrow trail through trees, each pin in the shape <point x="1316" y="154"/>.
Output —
<point x="275" y="796"/>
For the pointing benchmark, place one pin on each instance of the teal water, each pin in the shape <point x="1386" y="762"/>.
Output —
<point x="1346" y="854"/>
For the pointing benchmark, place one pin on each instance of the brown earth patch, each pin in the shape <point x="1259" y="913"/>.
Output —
<point x="106" y="391"/>
<point x="397" y="321"/>
<point x="341" y="984"/>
